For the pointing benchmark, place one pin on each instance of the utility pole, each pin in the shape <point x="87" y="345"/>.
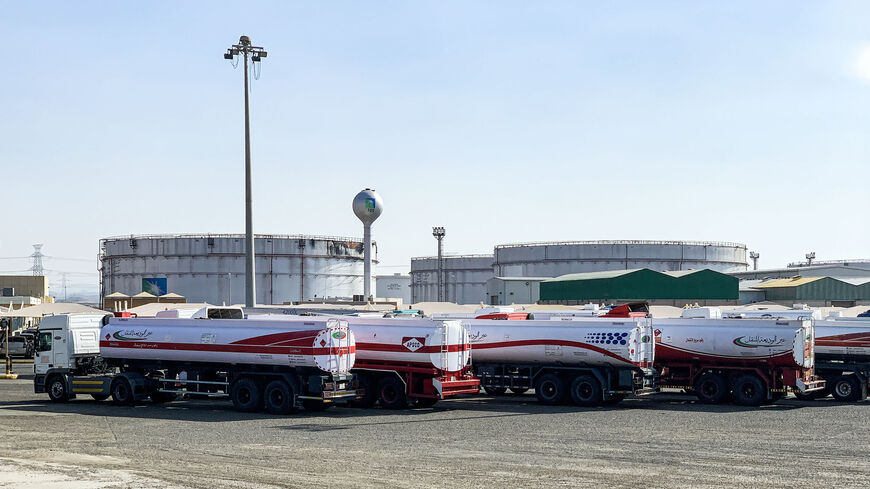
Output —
<point x="439" y="233"/>
<point x="245" y="48"/>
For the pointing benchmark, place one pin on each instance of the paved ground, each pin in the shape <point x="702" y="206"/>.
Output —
<point x="511" y="441"/>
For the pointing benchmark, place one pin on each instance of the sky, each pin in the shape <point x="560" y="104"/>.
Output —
<point x="501" y="121"/>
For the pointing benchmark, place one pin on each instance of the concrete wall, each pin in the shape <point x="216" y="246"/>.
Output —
<point x="396" y="286"/>
<point x="504" y="292"/>
<point x="26" y="285"/>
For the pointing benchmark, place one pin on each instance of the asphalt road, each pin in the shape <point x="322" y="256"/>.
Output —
<point x="505" y="442"/>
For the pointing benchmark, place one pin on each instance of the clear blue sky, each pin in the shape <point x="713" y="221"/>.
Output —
<point x="502" y="121"/>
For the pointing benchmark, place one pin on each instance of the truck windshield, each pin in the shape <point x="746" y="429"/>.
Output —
<point x="43" y="342"/>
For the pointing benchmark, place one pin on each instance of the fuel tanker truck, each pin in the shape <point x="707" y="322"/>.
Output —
<point x="402" y="362"/>
<point x="593" y="362"/>
<point x="842" y="359"/>
<point x="260" y="365"/>
<point x="749" y="361"/>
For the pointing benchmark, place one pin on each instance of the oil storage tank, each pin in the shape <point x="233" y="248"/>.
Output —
<point x="211" y="267"/>
<point x="465" y="278"/>
<point x="552" y="259"/>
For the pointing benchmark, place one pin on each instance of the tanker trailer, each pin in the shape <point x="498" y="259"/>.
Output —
<point x="403" y="362"/>
<point x="278" y="367"/>
<point x="842" y="359"/>
<point x="591" y="362"/>
<point x="753" y="361"/>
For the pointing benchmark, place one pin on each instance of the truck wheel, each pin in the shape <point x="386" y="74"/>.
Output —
<point x="711" y="388"/>
<point x="278" y="398"/>
<point x="519" y="390"/>
<point x="100" y="397"/>
<point x="495" y="391"/>
<point x="550" y="389"/>
<point x="586" y="391"/>
<point x="57" y="390"/>
<point x="122" y="392"/>
<point x="749" y="390"/>
<point x="391" y="393"/>
<point x="846" y="388"/>
<point x="370" y="395"/>
<point x="314" y="406"/>
<point x="246" y="395"/>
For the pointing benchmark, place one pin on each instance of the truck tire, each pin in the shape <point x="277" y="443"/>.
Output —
<point x="370" y="394"/>
<point x="711" y="388"/>
<point x="586" y="391"/>
<point x="246" y="395"/>
<point x="279" y="398"/>
<point x="519" y="390"/>
<point x="749" y="390"/>
<point x="100" y="397"/>
<point x="846" y="388"/>
<point x="57" y="389"/>
<point x="391" y="393"/>
<point x="495" y="391"/>
<point x="122" y="392"/>
<point x="550" y="389"/>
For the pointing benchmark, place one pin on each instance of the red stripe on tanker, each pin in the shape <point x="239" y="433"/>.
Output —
<point x="443" y="345"/>
<point x="734" y="341"/>
<point x="843" y="340"/>
<point x="575" y="342"/>
<point x="322" y="343"/>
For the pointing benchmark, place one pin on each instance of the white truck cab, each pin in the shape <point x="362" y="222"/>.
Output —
<point x="63" y="339"/>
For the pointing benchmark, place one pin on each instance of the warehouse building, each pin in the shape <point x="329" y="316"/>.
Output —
<point x="675" y="288"/>
<point x="24" y="289"/>
<point x="834" y="268"/>
<point x="816" y="291"/>
<point x="395" y="286"/>
<point x="503" y="291"/>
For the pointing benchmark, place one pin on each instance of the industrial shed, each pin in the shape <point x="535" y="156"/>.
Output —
<point x="671" y="288"/>
<point x="815" y="291"/>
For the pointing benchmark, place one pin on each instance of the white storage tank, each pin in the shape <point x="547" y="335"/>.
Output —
<point x="211" y="267"/>
<point x="560" y="258"/>
<point x="465" y="278"/>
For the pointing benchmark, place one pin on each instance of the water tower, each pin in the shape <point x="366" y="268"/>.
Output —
<point x="367" y="205"/>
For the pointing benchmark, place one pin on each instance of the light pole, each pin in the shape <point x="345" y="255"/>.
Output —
<point x="245" y="48"/>
<point x="439" y="233"/>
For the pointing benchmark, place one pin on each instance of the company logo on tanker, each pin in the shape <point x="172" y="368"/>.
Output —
<point x="339" y="335"/>
<point x="130" y="334"/>
<point x="413" y="344"/>
<point x="758" y="341"/>
<point x="607" y="338"/>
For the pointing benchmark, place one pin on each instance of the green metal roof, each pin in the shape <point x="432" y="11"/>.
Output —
<point x="641" y="284"/>
<point x="594" y="275"/>
<point x="681" y="273"/>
